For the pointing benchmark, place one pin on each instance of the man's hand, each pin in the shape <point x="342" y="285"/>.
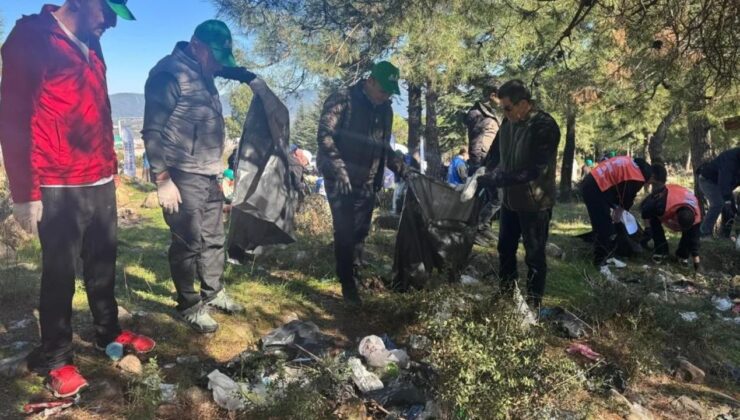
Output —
<point x="491" y="179"/>
<point x="730" y="207"/>
<point x="169" y="196"/>
<point x="617" y="215"/>
<point x="28" y="215"/>
<point x="239" y="74"/>
<point x="344" y="186"/>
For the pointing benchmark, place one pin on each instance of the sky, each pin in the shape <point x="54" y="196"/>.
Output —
<point x="131" y="49"/>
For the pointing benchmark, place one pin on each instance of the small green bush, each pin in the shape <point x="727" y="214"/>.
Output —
<point x="489" y="366"/>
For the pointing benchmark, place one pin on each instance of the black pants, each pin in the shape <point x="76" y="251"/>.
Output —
<point x="687" y="246"/>
<point x="77" y="222"/>
<point x="534" y="229"/>
<point x="351" y="215"/>
<point x="599" y="211"/>
<point x="197" y="248"/>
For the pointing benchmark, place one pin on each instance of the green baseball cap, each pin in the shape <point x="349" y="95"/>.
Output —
<point x="217" y="36"/>
<point x="119" y="6"/>
<point x="387" y="76"/>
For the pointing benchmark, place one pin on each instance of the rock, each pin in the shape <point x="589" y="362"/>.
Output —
<point x="168" y="411"/>
<point x="469" y="280"/>
<point x="688" y="372"/>
<point x="638" y="412"/>
<point x="131" y="364"/>
<point x="151" y="201"/>
<point x="554" y="251"/>
<point x="15" y="366"/>
<point x="124" y="316"/>
<point x="684" y="404"/>
<point x="365" y="381"/>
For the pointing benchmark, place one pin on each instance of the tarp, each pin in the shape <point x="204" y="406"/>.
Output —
<point x="437" y="230"/>
<point x="264" y="197"/>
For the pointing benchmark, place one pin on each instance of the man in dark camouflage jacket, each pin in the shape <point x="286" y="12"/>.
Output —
<point x="354" y="147"/>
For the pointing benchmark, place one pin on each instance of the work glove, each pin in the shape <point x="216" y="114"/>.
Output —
<point x="239" y="74"/>
<point x="492" y="179"/>
<point x="617" y="215"/>
<point x="169" y="196"/>
<point x="28" y="215"/>
<point x="344" y="186"/>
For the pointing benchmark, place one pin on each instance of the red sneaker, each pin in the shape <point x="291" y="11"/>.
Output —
<point x="139" y="343"/>
<point x="65" y="381"/>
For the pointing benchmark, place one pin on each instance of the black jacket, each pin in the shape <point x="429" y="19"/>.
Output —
<point x="724" y="171"/>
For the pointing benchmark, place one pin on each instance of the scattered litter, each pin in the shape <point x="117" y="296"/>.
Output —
<point x="227" y="393"/>
<point x="131" y="364"/>
<point x="169" y="366"/>
<point x="568" y="322"/>
<point x="689" y="316"/>
<point x="285" y="341"/>
<point x="684" y="287"/>
<point x="735" y="320"/>
<point x="366" y="381"/>
<point x="608" y="376"/>
<point x="15" y="366"/>
<point x="140" y="314"/>
<point x="187" y="360"/>
<point x="168" y="392"/>
<point x="722" y="304"/>
<point x="50" y="408"/>
<point x="688" y="372"/>
<point x="736" y="308"/>
<point x="375" y="353"/>
<point x="616" y="263"/>
<point x="528" y="317"/>
<point x="654" y="296"/>
<point x="17" y="346"/>
<point x="388" y="342"/>
<point x="468" y="280"/>
<point x="608" y="275"/>
<point x="399" y="393"/>
<point x="583" y="350"/>
<point x="114" y="351"/>
<point x="17" y="325"/>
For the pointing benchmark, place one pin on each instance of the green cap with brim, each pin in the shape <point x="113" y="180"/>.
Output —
<point x="387" y="75"/>
<point x="217" y="36"/>
<point x="119" y="6"/>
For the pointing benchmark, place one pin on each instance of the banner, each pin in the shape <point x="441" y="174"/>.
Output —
<point x="129" y="158"/>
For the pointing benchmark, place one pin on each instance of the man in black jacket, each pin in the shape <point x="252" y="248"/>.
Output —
<point x="522" y="162"/>
<point x="717" y="180"/>
<point x="354" y="147"/>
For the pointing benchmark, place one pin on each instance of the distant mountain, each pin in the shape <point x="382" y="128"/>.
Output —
<point x="131" y="105"/>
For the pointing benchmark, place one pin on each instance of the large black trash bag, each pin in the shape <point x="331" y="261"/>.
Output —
<point x="265" y="199"/>
<point x="437" y="230"/>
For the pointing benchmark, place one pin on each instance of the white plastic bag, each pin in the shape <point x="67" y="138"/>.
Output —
<point x="227" y="393"/>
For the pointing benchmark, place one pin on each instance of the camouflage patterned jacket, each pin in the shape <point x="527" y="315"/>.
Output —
<point x="354" y="136"/>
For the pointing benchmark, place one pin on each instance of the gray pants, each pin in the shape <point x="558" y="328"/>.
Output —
<point x="197" y="248"/>
<point x="714" y="195"/>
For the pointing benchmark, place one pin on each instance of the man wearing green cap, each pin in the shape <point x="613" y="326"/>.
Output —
<point x="57" y="138"/>
<point x="184" y="137"/>
<point x="354" y="147"/>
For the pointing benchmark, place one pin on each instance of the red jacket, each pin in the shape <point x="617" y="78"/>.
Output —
<point x="615" y="171"/>
<point x="55" y="116"/>
<point x="677" y="198"/>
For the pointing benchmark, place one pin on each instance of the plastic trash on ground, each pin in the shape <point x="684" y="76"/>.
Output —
<point x="616" y="263"/>
<point x="114" y="351"/>
<point x="168" y="392"/>
<point x="227" y="393"/>
<point x="583" y="350"/>
<point x="366" y="381"/>
<point x="722" y="304"/>
<point x="373" y="350"/>
<point x="568" y="322"/>
<point x="468" y="280"/>
<point x="689" y="316"/>
<point x="282" y="341"/>
<point x="528" y="317"/>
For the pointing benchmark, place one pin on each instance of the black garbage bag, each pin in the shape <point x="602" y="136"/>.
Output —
<point x="436" y="231"/>
<point x="265" y="198"/>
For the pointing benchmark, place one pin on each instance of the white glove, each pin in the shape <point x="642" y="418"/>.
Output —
<point x="169" y="196"/>
<point x="28" y="215"/>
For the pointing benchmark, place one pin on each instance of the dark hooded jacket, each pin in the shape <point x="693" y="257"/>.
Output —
<point x="483" y="124"/>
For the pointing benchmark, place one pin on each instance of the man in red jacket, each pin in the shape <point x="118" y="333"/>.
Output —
<point x="56" y="134"/>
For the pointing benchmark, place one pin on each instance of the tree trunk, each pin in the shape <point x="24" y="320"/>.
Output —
<point x="414" y="117"/>
<point x="655" y="146"/>
<point x="569" y="152"/>
<point x="700" y="140"/>
<point x="431" y="133"/>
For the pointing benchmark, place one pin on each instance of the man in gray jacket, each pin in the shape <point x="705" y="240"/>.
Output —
<point x="184" y="136"/>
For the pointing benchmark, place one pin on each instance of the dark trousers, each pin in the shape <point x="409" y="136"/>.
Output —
<point x="197" y="248"/>
<point x="599" y="211"/>
<point x="534" y="229"/>
<point x="351" y="215"/>
<point x="687" y="246"/>
<point x="78" y="222"/>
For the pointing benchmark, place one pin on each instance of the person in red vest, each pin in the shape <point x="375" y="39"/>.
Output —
<point x="678" y="209"/>
<point x="56" y="133"/>
<point x="608" y="191"/>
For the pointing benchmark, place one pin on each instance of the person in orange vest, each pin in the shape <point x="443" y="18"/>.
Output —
<point x="678" y="209"/>
<point x="608" y="191"/>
